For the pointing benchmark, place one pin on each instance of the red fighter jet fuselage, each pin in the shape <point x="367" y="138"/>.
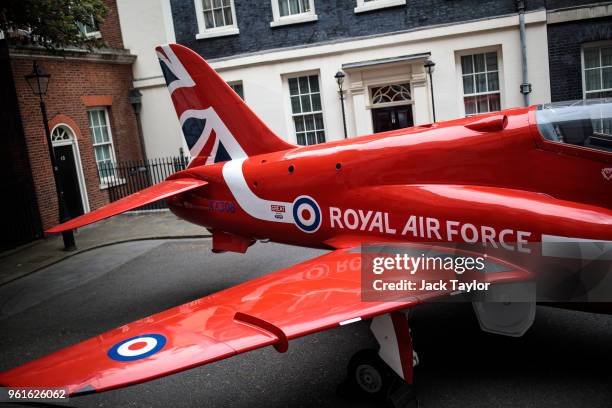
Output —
<point x="491" y="179"/>
<point x="517" y="185"/>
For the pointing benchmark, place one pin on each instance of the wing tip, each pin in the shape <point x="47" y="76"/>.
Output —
<point x="57" y="229"/>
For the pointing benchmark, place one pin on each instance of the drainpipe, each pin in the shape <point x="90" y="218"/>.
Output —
<point x="525" y="86"/>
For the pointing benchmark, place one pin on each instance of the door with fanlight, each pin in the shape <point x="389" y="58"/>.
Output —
<point x="391" y="107"/>
<point x="70" y="171"/>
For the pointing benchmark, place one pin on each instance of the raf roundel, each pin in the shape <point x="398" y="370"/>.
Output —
<point x="136" y="348"/>
<point x="306" y="214"/>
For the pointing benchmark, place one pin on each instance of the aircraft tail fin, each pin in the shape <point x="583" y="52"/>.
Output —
<point x="217" y="125"/>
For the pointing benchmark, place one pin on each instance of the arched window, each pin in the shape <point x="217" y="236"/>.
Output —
<point x="61" y="134"/>
<point x="391" y="93"/>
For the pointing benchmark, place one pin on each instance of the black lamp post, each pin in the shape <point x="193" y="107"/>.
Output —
<point x="340" y="80"/>
<point x="38" y="81"/>
<point x="429" y="65"/>
<point x="135" y="97"/>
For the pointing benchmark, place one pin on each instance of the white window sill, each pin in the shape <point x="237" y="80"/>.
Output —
<point x="378" y="4"/>
<point x="110" y="182"/>
<point x="217" y="33"/>
<point x="294" y="20"/>
<point x="94" y="34"/>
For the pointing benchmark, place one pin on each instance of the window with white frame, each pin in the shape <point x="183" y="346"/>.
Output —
<point x="597" y="63"/>
<point x="238" y="88"/>
<point x="102" y="142"/>
<point x="292" y="12"/>
<point x="480" y="74"/>
<point x="90" y="30"/>
<point x="306" y="109"/>
<point x="598" y="72"/>
<point x="216" y="18"/>
<point x="368" y="5"/>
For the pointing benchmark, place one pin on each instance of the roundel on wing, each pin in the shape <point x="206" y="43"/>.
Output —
<point x="192" y="130"/>
<point x="137" y="348"/>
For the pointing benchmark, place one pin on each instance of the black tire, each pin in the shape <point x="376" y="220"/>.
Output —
<point x="369" y="376"/>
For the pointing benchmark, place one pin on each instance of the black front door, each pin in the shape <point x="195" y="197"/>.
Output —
<point x="397" y="117"/>
<point x="70" y="180"/>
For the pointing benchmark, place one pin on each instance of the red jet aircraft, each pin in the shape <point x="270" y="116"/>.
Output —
<point x="520" y="180"/>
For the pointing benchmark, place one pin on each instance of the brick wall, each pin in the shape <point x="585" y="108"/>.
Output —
<point x="70" y="81"/>
<point x="111" y="29"/>
<point x="336" y="20"/>
<point x="564" y="54"/>
<point x="74" y="85"/>
<point x="557" y="4"/>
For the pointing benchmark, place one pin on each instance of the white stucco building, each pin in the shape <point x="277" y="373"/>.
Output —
<point x="145" y="24"/>
<point x="398" y="59"/>
<point x="293" y="89"/>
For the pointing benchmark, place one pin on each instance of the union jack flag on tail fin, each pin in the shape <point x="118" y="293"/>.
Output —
<point x="217" y="125"/>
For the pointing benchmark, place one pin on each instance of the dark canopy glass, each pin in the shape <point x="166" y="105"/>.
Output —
<point x="585" y="123"/>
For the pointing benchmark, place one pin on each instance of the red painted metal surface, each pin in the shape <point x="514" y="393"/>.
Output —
<point x="404" y="344"/>
<point x="148" y="195"/>
<point x="312" y="296"/>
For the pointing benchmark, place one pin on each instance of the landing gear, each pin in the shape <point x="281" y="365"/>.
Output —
<point x="370" y="375"/>
<point x="384" y="375"/>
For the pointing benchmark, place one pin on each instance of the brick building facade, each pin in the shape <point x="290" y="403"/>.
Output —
<point x="87" y="103"/>
<point x="335" y="20"/>
<point x="573" y="29"/>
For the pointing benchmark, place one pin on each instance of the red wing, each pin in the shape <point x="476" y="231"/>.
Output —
<point x="312" y="296"/>
<point x="149" y="195"/>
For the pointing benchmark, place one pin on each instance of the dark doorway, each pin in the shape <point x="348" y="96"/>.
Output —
<point x="70" y="179"/>
<point x="396" y="117"/>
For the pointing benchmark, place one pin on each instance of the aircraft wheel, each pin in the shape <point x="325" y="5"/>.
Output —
<point x="371" y="376"/>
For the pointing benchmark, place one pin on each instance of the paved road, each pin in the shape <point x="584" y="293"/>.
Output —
<point x="565" y="360"/>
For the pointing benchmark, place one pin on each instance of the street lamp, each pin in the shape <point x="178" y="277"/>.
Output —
<point x="135" y="97"/>
<point x="429" y="65"/>
<point x="38" y="81"/>
<point x="340" y="80"/>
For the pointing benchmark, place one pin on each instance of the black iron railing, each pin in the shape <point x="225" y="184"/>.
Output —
<point x="129" y="177"/>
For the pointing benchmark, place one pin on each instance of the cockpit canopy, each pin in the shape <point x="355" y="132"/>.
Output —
<point x="585" y="123"/>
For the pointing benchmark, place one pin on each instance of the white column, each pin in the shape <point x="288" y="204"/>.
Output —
<point x="421" y="108"/>
<point x="357" y="96"/>
<point x="363" y="116"/>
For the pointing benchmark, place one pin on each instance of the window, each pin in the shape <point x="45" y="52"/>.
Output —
<point x="102" y="143"/>
<point x="480" y="74"/>
<point x="292" y="12"/>
<point x="61" y="134"/>
<point x="307" y="112"/>
<point x="216" y="18"/>
<point x="368" y="5"/>
<point x="598" y="72"/>
<point x="238" y="88"/>
<point x="292" y="7"/>
<point x="90" y="30"/>
<point x="391" y="94"/>
<point x="598" y="84"/>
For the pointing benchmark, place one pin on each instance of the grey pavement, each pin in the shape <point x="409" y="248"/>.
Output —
<point x="564" y="360"/>
<point x="124" y="227"/>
